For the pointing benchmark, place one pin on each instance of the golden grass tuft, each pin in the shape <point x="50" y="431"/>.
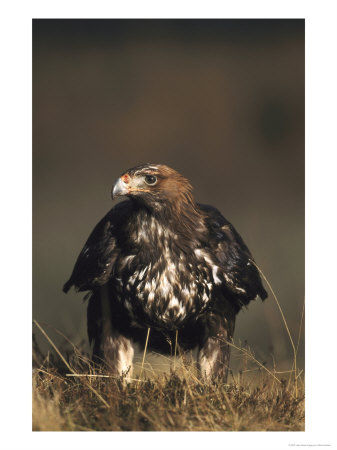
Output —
<point x="173" y="401"/>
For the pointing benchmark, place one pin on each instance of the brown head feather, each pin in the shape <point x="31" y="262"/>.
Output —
<point x="170" y="198"/>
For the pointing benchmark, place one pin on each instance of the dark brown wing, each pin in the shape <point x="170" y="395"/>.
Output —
<point x="241" y="277"/>
<point x="95" y="262"/>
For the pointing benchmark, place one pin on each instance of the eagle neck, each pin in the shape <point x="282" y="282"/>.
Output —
<point x="181" y="225"/>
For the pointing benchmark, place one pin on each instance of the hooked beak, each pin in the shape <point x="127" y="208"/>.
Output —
<point x="120" y="188"/>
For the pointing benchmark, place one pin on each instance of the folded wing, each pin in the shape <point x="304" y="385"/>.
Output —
<point x="241" y="277"/>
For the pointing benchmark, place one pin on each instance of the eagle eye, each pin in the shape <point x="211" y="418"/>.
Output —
<point x="151" y="180"/>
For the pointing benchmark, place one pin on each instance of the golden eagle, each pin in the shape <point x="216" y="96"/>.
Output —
<point x="160" y="260"/>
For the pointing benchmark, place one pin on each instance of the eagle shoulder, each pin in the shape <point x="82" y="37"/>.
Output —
<point x="95" y="262"/>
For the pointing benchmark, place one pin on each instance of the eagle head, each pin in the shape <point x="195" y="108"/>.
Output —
<point x="155" y="185"/>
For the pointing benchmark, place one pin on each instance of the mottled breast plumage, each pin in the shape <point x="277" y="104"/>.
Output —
<point x="167" y="285"/>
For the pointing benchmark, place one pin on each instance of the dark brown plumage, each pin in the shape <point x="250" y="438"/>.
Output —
<point x="160" y="260"/>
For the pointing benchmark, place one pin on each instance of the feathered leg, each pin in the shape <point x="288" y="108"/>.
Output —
<point x="110" y="347"/>
<point x="214" y="351"/>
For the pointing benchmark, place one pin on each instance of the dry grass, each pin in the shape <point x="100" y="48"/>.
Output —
<point x="255" y="399"/>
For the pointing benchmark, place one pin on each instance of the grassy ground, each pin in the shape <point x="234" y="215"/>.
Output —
<point x="254" y="399"/>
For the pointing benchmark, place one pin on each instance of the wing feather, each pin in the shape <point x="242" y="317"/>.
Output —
<point x="241" y="276"/>
<point x="95" y="263"/>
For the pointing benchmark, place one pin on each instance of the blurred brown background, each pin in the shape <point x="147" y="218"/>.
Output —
<point x="221" y="101"/>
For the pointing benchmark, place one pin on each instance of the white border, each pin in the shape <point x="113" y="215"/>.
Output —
<point x="321" y="226"/>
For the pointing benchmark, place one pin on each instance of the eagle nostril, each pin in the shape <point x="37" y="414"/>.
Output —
<point x="125" y="178"/>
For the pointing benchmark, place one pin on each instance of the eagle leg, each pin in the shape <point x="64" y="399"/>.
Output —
<point x="214" y="350"/>
<point x="110" y="347"/>
<point x="117" y="353"/>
